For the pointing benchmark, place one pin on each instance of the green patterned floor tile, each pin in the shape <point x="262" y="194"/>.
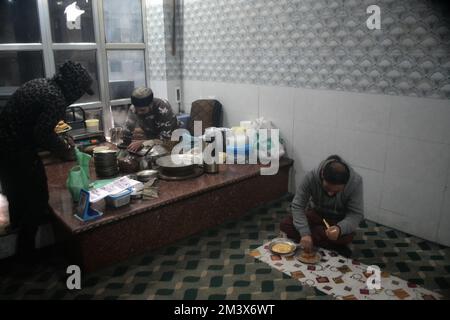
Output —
<point x="215" y="265"/>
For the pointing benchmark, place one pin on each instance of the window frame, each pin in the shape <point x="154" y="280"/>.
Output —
<point x="47" y="46"/>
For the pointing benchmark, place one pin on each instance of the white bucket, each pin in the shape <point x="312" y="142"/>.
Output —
<point x="92" y="125"/>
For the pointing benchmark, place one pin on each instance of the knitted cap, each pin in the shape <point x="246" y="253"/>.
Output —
<point x="142" y="97"/>
<point x="76" y="73"/>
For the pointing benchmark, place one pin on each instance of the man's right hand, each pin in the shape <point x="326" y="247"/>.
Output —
<point x="135" y="146"/>
<point x="306" y="243"/>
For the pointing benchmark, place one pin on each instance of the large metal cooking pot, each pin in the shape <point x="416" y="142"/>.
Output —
<point x="176" y="164"/>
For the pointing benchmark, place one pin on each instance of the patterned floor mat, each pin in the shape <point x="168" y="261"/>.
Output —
<point x="215" y="265"/>
<point x="343" y="278"/>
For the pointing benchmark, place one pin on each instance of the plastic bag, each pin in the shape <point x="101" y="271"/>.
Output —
<point x="79" y="175"/>
<point x="266" y="140"/>
<point x="4" y="214"/>
<point x="83" y="160"/>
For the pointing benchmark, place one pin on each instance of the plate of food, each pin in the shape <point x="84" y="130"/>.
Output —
<point x="62" y="127"/>
<point x="311" y="257"/>
<point x="283" y="246"/>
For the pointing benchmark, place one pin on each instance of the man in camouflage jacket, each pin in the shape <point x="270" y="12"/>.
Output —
<point x="152" y="115"/>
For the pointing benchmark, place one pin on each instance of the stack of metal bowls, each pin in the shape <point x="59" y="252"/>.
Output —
<point x="105" y="162"/>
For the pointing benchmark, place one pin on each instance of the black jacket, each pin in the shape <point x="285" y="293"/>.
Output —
<point x="28" y="120"/>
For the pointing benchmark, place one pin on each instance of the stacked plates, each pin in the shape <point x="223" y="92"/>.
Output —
<point x="105" y="162"/>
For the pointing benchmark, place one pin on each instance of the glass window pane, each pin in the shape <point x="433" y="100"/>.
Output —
<point x="126" y="70"/>
<point x="17" y="67"/>
<point x="71" y="21"/>
<point x="19" y="21"/>
<point x="88" y="59"/>
<point x="123" y="21"/>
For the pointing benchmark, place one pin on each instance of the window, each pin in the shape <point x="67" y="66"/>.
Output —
<point x="105" y="36"/>
<point x="120" y="30"/>
<point x="125" y="53"/>
<point x="71" y="21"/>
<point x="126" y="70"/>
<point x="21" y="49"/>
<point x="12" y="16"/>
<point x="20" y="66"/>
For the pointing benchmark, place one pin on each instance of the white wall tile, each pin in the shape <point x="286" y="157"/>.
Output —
<point x="239" y="101"/>
<point x="303" y="164"/>
<point x="212" y="90"/>
<point x="447" y="136"/>
<point x="372" y="186"/>
<point x="314" y="140"/>
<point x="391" y="219"/>
<point x="427" y="119"/>
<point x="362" y="149"/>
<point x="315" y="107"/>
<point x="418" y="160"/>
<point x="159" y="88"/>
<point x="192" y="90"/>
<point x="172" y="94"/>
<point x="419" y="202"/>
<point x="363" y="112"/>
<point x="371" y="213"/>
<point x="277" y="105"/>
<point x="443" y="233"/>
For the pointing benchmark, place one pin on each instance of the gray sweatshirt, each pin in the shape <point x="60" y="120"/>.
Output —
<point x="347" y="205"/>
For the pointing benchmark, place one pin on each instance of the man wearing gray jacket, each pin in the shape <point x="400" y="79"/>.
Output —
<point x="327" y="207"/>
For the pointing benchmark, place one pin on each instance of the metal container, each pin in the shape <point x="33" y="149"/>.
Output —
<point x="105" y="162"/>
<point x="146" y="175"/>
<point x="211" y="168"/>
<point x="116" y="135"/>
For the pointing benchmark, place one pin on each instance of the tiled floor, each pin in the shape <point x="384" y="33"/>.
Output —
<point x="215" y="265"/>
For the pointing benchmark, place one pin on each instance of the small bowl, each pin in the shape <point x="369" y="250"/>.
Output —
<point x="146" y="175"/>
<point x="132" y="176"/>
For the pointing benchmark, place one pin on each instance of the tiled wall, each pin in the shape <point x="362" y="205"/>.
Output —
<point x="320" y="44"/>
<point x="378" y="98"/>
<point x="164" y="63"/>
<point x="400" y="145"/>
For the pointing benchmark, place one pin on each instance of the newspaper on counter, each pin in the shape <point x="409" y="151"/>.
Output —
<point x="112" y="188"/>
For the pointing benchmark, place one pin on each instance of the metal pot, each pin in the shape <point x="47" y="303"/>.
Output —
<point x="211" y="168"/>
<point x="176" y="164"/>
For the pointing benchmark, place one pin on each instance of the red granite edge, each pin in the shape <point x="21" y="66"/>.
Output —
<point x="95" y="224"/>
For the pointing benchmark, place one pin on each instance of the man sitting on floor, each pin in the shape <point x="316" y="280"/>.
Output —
<point x="331" y="194"/>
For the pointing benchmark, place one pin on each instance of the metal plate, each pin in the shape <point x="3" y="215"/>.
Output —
<point x="196" y="172"/>
<point x="314" y="259"/>
<point x="176" y="165"/>
<point x="175" y="161"/>
<point x="64" y="131"/>
<point x="282" y="242"/>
